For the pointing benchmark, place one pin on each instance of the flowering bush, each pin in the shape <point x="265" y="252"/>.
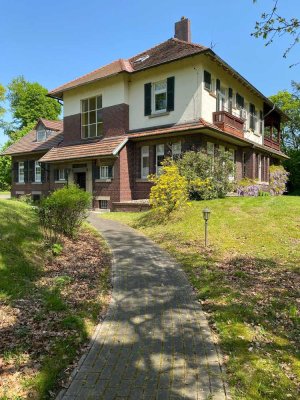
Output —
<point x="208" y="178"/>
<point x="278" y="180"/>
<point x="170" y="190"/>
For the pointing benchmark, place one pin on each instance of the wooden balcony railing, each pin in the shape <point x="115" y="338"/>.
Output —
<point x="271" y="143"/>
<point x="229" y="123"/>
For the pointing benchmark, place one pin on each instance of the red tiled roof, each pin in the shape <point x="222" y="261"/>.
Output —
<point x="170" y="50"/>
<point x="28" y="143"/>
<point x="105" y="147"/>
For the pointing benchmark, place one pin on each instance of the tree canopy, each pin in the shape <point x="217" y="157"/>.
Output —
<point x="28" y="102"/>
<point x="290" y="104"/>
<point x="273" y="25"/>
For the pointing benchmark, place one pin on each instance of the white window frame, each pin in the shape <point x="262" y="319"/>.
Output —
<point x="61" y="174"/>
<point x="156" y="92"/>
<point x="144" y="155"/>
<point x="160" y="151"/>
<point x="222" y="99"/>
<point x="103" y="172"/>
<point x="254" y="116"/>
<point x="98" y="123"/>
<point x="176" y="150"/>
<point x="37" y="172"/>
<point x="40" y="132"/>
<point x="21" y="167"/>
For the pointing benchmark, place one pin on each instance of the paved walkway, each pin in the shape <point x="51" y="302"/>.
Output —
<point x="155" y="342"/>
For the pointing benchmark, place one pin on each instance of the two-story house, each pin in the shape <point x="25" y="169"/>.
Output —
<point x="121" y="121"/>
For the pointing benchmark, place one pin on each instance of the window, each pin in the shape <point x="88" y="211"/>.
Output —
<point x="253" y="118"/>
<point x="221" y="99"/>
<point x="176" y="150"/>
<point x="106" y="172"/>
<point x="160" y="96"/>
<point x="221" y="150"/>
<point x="144" y="162"/>
<point x="160" y="154"/>
<point x="261" y="122"/>
<point x="207" y="81"/>
<point x="240" y="105"/>
<point x="61" y="174"/>
<point x="91" y="117"/>
<point x="232" y="158"/>
<point x="40" y="135"/>
<point x="230" y="100"/>
<point x="103" y="204"/>
<point x="37" y="172"/>
<point x="21" y="172"/>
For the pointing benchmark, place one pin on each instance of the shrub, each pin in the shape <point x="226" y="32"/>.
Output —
<point x="206" y="179"/>
<point x="248" y="187"/>
<point x="63" y="212"/>
<point x="278" y="180"/>
<point x="170" y="190"/>
<point x="293" y="167"/>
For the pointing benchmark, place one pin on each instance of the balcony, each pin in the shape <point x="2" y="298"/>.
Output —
<point x="272" y="136"/>
<point x="229" y="123"/>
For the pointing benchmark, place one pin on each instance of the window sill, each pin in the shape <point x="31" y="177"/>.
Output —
<point x="211" y="93"/>
<point x="60" y="181"/>
<point x="140" y="180"/>
<point x="103" y="180"/>
<point x="159" y="114"/>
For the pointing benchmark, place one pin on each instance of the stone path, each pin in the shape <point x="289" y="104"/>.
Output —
<point x="155" y="342"/>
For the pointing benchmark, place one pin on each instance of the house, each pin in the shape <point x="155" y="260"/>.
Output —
<point x="121" y="120"/>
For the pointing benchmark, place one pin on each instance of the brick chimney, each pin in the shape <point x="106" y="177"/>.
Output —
<point x="183" y="29"/>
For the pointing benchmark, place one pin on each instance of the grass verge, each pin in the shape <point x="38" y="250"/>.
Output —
<point x="248" y="282"/>
<point x="49" y="305"/>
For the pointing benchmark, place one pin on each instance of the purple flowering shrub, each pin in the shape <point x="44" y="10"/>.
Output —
<point x="248" y="187"/>
<point x="278" y="180"/>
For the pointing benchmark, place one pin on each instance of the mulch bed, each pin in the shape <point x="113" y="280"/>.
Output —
<point x="30" y="326"/>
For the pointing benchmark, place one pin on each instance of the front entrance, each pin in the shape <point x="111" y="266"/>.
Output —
<point x="80" y="179"/>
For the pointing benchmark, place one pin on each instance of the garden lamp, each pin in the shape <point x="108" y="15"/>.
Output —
<point x="206" y="213"/>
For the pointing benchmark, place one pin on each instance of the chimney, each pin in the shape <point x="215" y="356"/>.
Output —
<point x="183" y="29"/>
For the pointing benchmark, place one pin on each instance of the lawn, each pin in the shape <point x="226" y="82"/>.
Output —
<point x="4" y="192"/>
<point x="247" y="281"/>
<point x="49" y="305"/>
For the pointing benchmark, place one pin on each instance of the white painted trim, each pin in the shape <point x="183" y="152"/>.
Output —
<point x="119" y="147"/>
<point x="102" y="198"/>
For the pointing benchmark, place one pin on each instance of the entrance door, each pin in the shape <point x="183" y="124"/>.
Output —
<point x="80" y="179"/>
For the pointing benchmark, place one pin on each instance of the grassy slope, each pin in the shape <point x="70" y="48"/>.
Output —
<point x="247" y="281"/>
<point x="22" y="260"/>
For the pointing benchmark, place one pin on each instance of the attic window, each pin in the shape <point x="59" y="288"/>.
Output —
<point x="141" y="59"/>
<point x="42" y="134"/>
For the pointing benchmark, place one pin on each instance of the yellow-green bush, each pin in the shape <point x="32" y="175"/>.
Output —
<point x="170" y="190"/>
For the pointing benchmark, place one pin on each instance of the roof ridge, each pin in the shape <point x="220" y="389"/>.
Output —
<point x="151" y="48"/>
<point x="201" y="46"/>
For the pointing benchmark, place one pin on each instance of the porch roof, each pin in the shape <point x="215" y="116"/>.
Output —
<point x="104" y="147"/>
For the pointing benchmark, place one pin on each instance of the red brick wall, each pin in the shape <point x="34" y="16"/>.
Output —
<point x="115" y="123"/>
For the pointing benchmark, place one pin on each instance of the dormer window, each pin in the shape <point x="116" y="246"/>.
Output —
<point x="91" y="117"/>
<point x="41" y="134"/>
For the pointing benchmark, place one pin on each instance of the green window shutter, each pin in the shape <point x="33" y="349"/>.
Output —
<point x="96" y="171"/>
<point x="218" y="84"/>
<point x="230" y="93"/>
<point x="110" y="171"/>
<point x="147" y="90"/>
<point x="56" y="177"/>
<point x="16" y="172"/>
<point x="31" y="166"/>
<point x="170" y="93"/>
<point x="26" y="171"/>
<point x="207" y="78"/>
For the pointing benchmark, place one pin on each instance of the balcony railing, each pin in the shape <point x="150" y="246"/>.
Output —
<point x="229" y="123"/>
<point x="272" y="137"/>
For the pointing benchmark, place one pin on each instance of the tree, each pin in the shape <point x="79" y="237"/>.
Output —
<point x="290" y="104"/>
<point x="28" y="103"/>
<point x="272" y="25"/>
<point x="2" y="98"/>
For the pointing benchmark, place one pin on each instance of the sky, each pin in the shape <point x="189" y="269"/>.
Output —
<point x="53" y="42"/>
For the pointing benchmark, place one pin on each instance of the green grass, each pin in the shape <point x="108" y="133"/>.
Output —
<point x="4" y="192"/>
<point x="248" y="282"/>
<point x="23" y="257"/>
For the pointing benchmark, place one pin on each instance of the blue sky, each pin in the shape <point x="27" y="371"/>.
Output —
<point x="52" y="42"/>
